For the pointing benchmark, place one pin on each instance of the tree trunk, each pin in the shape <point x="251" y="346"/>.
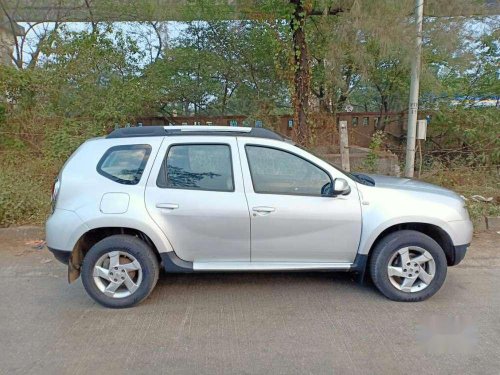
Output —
<point x="324" y="106"/>
<point x="386" y="117"/>
<point x="302" y="77"/>
<point x="384" y="109"/>
<point x="341" y="102"/>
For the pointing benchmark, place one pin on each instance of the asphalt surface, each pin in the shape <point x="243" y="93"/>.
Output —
<point x="246" y="323"/>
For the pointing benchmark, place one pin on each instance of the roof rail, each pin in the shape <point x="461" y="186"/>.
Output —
<point x="162" y="131"/>
<point x="198" y="128"/>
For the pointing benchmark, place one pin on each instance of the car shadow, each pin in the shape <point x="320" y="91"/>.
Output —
<point x="217" y="283"/>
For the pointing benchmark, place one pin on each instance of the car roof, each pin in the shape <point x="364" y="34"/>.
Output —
<point x="162" y="131"/>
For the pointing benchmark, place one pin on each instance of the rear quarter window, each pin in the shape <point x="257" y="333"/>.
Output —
<point x="124" y="164"/>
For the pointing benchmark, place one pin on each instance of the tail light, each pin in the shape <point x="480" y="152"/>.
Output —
<point x="55" y="192"/>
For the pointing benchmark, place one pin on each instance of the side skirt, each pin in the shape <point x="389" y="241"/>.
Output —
<point x="173" y="264"/>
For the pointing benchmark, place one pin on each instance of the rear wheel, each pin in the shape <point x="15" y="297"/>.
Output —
<point x="120" y="271"/>
<point x="408" y="266"/>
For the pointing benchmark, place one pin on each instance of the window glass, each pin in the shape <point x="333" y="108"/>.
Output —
<point x="354" y="121"/>
<point x="280" y="172"/>
<point x="366" y="120"/>
<point x="124" y="164"/>
<point x="198" y="167"/>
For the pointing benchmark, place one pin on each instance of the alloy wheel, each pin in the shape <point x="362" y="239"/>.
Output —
<point x="411" y="269"/>
<point x="117" y="274"/>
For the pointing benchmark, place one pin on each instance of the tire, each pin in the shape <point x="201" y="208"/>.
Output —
<point x="387" y="258"/>
<point x="139" y="277"/>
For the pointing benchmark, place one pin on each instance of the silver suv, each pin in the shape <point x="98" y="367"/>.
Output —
<point x="210" y="199"/>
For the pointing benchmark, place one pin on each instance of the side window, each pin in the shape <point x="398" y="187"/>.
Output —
<point x="124" y="164"/>
<point x="279" y="172"/>
<point x="197" y="167"/>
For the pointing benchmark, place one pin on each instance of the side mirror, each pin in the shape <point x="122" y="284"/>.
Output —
<point x="340" y="187"/>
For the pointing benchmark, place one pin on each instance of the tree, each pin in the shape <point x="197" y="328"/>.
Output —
<point x="220" y="67"/>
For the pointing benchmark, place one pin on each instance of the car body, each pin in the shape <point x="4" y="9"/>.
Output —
<point x="239" y="199"/>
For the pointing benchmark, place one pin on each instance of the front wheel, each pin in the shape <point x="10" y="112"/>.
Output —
<point x="120" y="271"/>
<point x="408" y="266"/>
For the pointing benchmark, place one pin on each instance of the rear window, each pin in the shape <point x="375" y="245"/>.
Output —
<point x="124" y="164"/>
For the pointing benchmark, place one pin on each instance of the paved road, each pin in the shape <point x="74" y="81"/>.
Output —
<point x="277" y="323"/>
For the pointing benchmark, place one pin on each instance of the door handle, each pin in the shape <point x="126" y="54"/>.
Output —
<point x="167" y="206"/>
<point x="263" y="209"/>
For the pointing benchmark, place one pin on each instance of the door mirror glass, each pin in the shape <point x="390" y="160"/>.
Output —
<point x="340" y="187"/>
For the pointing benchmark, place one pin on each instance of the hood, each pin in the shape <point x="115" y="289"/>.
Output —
<point x="409" y="184"/>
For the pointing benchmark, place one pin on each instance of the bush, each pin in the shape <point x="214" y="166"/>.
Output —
<point x="370" y="163"/>
<point x="471" y="135"/>
<point x="25" y="185"/>
<point x="32" y="151"/>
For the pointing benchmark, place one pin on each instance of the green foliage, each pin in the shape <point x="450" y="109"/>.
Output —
<point x="370" y="163"/>
<point x="471" y="135"/>
<point x="220" y="67"/>
<point x="25" y="184"/>
<point x="84" y="82"/>
<point x="63" y="140"/>
<point x="3" y="113"/>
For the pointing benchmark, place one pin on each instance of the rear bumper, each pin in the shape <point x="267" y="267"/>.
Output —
<point x="61" y="255"/>
<point x="458" y="254"/>
<point x="63" y="230"/>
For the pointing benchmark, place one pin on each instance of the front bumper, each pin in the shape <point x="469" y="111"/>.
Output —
<point x="460" y="232"/>
<point x="61" y="255"/>
<point x="458" y="254"/>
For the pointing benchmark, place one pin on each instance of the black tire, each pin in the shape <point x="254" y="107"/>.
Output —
<point x="133" y="246"/>
<point x="388" y="246"/>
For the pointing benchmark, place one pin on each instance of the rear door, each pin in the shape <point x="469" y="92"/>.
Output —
<point x="195" y="194"/>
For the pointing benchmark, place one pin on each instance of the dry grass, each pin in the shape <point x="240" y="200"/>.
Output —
<point x="469" y="181"/>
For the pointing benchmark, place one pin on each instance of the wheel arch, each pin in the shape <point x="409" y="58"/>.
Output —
<point x="93" y="236"/>
<point x="436" y="232"/>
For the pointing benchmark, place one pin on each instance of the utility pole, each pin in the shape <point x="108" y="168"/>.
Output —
<point x="344" y="146"/>
<point x="415" y="81"/>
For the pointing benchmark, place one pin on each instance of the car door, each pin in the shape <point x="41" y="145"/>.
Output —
<point x="290" y="219"/>
<point x="195" y="194"/>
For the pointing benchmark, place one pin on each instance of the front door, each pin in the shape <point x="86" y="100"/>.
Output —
<point x="195" y="194"/>
<point x="290" y="219"/>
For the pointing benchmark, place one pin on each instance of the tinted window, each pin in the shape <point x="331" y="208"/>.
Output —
<point x="280" y="172"/>
<point x="196" y="166"/>
<point x="124" y="164"/>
